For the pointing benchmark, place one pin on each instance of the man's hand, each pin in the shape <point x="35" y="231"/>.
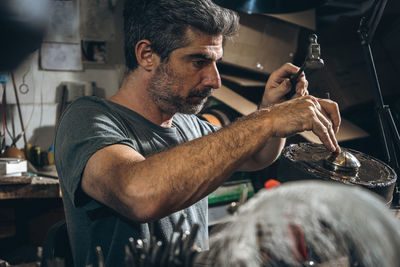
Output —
<point x="307" y="113"/>
<point x="279" y="84"/>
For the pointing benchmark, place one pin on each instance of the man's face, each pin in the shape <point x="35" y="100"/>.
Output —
<point x="185" y="81"/>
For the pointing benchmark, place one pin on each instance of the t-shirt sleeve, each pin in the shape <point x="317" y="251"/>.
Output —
<point x="84" y="129"/>
<point x="209" y="128"/>
<point x="193" y="127"/>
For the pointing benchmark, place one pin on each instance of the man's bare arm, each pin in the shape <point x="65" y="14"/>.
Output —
<point x="147" y="189"/>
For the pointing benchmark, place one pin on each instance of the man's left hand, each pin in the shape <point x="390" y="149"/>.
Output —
<point x="278" y="85"/>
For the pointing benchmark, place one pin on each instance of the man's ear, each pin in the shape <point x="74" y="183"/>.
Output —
<point x="145" y="55"/>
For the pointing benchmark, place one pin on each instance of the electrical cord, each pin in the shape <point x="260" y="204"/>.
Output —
<point x="3" y="134"/>
<point x="3" y="111"/>
<point x="24" y="88"/>
<point x="12" y="135"/>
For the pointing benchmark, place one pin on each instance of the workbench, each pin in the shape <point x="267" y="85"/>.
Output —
<point x="27" y="187"/>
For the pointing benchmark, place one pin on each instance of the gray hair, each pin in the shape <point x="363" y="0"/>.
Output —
<point x="164" y="24"/>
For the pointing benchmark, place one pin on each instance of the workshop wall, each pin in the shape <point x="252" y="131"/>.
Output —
<point x="39" y="79"/>
<point x="39" y="106"/>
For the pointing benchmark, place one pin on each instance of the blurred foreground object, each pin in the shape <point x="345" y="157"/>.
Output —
<point x="308" y="223"/>
<point x="22" y="27"/>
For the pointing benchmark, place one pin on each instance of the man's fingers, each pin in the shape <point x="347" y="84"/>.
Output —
<point x="285" y="86"/>
<point x="301" y="87"/>
<point x="323" y="125"/>
<point x="329" y="129"/>
<point x="309" y="113"/>
<point x="322" y="132"/>
<point x="326" y="110"/>
<point x="331" y="110"/>
<point x="286" y="70"/>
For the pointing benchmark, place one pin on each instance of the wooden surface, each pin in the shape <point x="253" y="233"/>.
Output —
<point x="243" y="81"/>
<point x="234" y="100"/>
<point x="34" y="187"/>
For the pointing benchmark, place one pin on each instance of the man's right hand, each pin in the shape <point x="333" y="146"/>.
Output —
<point x="307" y="113"/>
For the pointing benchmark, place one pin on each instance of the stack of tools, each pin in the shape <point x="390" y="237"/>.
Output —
<point x="178" y="251"/>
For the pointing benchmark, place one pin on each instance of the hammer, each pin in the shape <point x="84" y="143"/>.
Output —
<point x="312" y="61"/>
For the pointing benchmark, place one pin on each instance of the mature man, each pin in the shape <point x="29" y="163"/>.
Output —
<point x="133" y="163"/>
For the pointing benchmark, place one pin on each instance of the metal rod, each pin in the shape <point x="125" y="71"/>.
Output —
<point x="387" y="127"/>
<point x="19" y="108"/>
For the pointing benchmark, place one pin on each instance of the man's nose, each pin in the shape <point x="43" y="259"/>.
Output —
<point x="211" y="77"/>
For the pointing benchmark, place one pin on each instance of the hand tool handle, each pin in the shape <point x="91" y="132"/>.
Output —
<point x="293" y="81"/>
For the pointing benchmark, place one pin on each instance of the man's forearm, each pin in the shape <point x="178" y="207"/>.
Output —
<point x="265" y="156"/>
<point x="175" y="179"/>
<point x="268" y="153"/>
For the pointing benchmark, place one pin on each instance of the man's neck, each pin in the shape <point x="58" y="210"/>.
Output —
<point x="133" y="94"/>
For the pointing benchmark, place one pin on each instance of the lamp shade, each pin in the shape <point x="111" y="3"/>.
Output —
<point x="269" y="6"/>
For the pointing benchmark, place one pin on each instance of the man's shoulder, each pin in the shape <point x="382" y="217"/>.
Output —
<point x="87" y="102"/>
<point x="86" y="112"/>
<point x="90" y="107"/>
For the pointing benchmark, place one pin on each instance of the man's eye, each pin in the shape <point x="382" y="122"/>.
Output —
<point x="199" y="63"/>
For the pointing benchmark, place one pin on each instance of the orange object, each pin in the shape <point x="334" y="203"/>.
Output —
<point x="212" y="119"/>
<point x="271" y="183"/>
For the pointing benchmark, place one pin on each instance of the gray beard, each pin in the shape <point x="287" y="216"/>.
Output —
<point x="160" y="91"/>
